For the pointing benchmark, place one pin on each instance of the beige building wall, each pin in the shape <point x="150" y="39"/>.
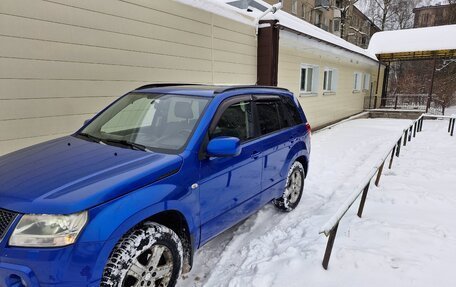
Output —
<point x="63" y="60"/>
<point x="323" y="108"/>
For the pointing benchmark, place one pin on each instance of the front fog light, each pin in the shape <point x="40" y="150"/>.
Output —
<point x="45" y="230"/>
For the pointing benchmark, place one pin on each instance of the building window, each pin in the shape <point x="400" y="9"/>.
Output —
<point x="329" y="80"/>
<point x="294" y="7"/>
<point x="366" y="82"/>
<point x="303" y="7"/>
<point x="317" y="18"/>
<point x="357" y="82"/>
<point x="309" y="79"/>
<point x="336" y="25"/>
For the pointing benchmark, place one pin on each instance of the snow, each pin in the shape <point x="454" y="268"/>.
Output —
<point x="414" y="40"/>
<point x="220" y="7"/>
<point x="407" y="236"/>
<point x="450" y="111"/>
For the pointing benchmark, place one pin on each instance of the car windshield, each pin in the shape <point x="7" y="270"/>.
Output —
<point x="157" y="122"/>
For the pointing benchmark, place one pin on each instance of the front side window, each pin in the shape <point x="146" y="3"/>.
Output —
<point x="269" y="116"/>
<point x="236" y="121"/>
<point x="309" y="79"/>
<point x="161" y="122"/>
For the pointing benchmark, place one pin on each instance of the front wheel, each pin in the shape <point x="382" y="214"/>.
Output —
<point x="150" y="255"/>
<point x="293" y="188"/>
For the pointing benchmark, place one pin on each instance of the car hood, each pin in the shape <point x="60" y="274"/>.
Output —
<point x="69" y="175"/>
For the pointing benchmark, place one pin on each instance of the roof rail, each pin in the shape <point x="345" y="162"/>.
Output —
<point x="161" y="85"/>
<point x="226" y="89"/>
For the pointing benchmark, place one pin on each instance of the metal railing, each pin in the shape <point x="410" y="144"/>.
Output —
<point x="406" y="102"/>
<point x="331" y="226"/>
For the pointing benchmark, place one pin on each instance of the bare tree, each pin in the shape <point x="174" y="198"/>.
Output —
<point x="391" y="14"/>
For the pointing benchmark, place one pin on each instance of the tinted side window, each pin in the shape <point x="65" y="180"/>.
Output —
<point x="268" y="116"/>
<point x="236" y="121"/>
<point x="291" y="111"/>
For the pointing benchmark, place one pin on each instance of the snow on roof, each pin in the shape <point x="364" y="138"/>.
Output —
<point x="221" y="7"/>
<point x="414" y="40"/>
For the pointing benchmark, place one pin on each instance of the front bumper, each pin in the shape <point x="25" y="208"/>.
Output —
<point x="74" y="266"/>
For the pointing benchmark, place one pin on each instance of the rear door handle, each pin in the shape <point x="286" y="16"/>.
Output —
<point x="255" y="155"/>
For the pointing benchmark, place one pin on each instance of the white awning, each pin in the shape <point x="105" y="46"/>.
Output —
<point x="436" y="38"/>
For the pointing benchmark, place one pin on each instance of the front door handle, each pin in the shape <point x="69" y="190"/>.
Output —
<point x="255" y="155"/>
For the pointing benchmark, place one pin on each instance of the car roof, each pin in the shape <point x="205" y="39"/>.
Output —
<point x="203" y="90"/>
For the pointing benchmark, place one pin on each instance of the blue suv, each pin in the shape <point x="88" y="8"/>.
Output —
<point x="127" y="199"/>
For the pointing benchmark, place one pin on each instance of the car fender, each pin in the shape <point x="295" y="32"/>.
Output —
<point x="297" y="150"/>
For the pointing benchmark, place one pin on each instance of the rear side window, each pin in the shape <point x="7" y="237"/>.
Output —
<point x="236" y="121"/>
<point x="291" y="112"/>
<point x="269" y="116"/>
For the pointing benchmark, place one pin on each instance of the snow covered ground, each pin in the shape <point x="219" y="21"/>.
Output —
<point x="407" y="236"/>
<point x="450" y="111"/>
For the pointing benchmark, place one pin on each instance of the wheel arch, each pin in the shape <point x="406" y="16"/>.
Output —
<point x="305" y="163"/>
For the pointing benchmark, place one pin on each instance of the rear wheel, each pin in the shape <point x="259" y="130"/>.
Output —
<point x="293" y="188"/>
<point x="149" y="256"/>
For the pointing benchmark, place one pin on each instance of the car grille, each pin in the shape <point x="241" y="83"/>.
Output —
<point x="6" y="219"/>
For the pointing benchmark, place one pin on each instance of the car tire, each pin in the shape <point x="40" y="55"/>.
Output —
<point x="294" y="188"/>
<point x="150" y="255"/>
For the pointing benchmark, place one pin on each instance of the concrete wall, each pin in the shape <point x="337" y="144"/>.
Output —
<point x="321" y="108"/>
<point x="63" y="60"/>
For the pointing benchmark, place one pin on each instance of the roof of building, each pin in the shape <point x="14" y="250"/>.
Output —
<point x="248" y="16"/>
<point x="418" y="43"/>
<point x="444" y="6"/>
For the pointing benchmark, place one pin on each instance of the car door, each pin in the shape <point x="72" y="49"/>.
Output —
<point x="277" y="138"/>
<point x="229" y="187"/>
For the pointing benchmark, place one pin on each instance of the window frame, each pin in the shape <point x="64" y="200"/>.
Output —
<point x="294" y="7"/>
<point x="336" y="23"/>
<point x="224" y="106"/>
<point x="280" y="111"/>
<point x="315" y="80"/>
<point x="366" y="79"/>
<point x="333" y="86"/>
<point x="357" y="77"/>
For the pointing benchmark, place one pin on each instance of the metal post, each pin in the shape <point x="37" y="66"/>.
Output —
<point x="398" y="148"/>
<point x="452" y="127"/>
<point x="414" y="128"/>
<point x="392" y="156"/>
<point x="421" y="124"/>
<point x="378" y="77"/>
<point x="329" y="246"/>
<point x="379" y="174"/>
<point x="363" y="201"/>
<point x="406" y="136"/>
<point x="450" y="122"/>
<point x="410" y="134"/>
<point x="432" y="87"/>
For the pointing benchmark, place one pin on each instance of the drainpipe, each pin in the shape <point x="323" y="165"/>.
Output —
<point x="274" y="8"/>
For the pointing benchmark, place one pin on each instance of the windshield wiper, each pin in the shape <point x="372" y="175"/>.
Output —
<point x="91" y="137"/>
<point x="131" y="145"/>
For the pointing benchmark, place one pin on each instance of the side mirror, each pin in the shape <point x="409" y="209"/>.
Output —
<point x="224" y="147"/>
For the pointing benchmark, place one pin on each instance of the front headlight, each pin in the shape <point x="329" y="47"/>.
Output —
<point x="43" y="230"/>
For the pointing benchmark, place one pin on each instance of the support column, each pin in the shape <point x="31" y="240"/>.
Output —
<point x="385" y="85"/>
<point x="431" y="88"/>
<point x="268" y="53"/>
